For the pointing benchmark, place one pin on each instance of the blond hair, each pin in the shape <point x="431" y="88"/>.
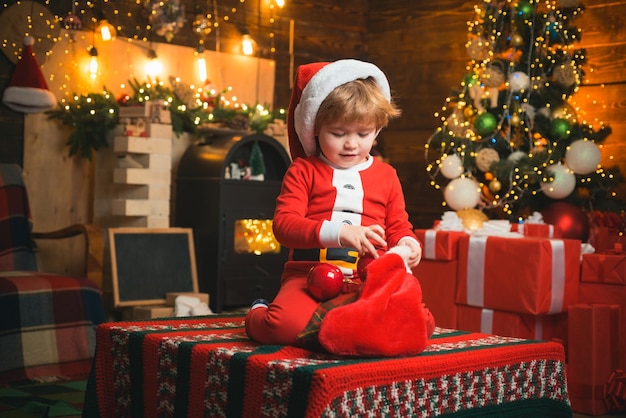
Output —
<point x="360" y="100"/>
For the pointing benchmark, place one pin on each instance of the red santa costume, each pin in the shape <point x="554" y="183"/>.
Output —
<point x="317" y="199"/>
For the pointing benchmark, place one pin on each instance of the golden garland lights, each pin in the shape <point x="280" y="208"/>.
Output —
<point x="511" y="138"/>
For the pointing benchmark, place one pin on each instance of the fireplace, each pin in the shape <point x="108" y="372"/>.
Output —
<point x="229" y="206"/>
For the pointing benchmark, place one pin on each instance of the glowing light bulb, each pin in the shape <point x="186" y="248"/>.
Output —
<point x="153" y="67"/>
<point x="106" y="30"/>
<point x="247" y="44"/>
<point x="201" y="62"/>
<point x="93" y="63"/>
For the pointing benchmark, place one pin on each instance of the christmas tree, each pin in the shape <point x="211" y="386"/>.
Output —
<point x="511" y="142"/>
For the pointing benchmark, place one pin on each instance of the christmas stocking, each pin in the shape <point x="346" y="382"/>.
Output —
<point x="387" y="319"/>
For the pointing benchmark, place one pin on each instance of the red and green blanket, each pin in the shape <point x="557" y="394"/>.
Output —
<point x="206" y="366"/>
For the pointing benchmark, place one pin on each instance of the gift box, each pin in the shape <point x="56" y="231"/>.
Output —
<point x="603" y="239"/>
<point x="537" y="230"/>
<point x="439" y="245"/>
<point x="597" y="293"/>
<point x="438" y="281"/>
<point x="603" y="268"/>
<point x="592" y="355"/>
<point x="511" y="324"/>
<point x="536" y="276"/>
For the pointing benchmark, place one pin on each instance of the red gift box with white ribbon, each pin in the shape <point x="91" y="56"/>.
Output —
<point x="511" y="324"/>
<point x="537" y="230"/>
<point x="536" y="276"/>
<point x="439" y="245"/>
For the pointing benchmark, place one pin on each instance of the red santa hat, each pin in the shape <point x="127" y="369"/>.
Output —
<point x="27" y="91"/>
<point x="313" y="83"/>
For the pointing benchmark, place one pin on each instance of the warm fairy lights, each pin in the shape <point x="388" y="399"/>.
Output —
<point x="255" y="236"/>
<point x="513" y="120"/>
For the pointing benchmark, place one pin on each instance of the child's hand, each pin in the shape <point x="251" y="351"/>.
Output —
<point x="416" y="251"/>
<point x="364" y="238"/>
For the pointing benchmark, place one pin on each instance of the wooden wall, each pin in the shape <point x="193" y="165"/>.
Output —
<point x="419" y="44"/>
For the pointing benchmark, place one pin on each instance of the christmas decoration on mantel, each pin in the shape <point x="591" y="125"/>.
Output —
<point x="512" y="141"/>
<point x="93" y="115"/>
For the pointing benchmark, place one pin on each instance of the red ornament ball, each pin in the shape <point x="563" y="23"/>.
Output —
<point x="325" y="281"/>
<point x="571" y="220"/>
<point x="361" y="265"/>
<point x="364" y="261"/>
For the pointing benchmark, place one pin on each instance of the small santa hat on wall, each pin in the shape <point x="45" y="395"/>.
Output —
<point x="27" y="91"/>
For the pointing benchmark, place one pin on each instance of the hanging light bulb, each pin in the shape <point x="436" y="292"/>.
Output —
<point x="280" y="3"/>
<point x="247" y="44"/>
<point x="153" y="67"/>
<point x="93" y="62"/>
<point x="106" y="30"/>
<point x="201" y="62"/>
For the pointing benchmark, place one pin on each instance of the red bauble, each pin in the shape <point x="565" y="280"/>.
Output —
<point x="364" y="261"/>
<point x="325" y="281"/>
<point x="361" y="265"/>
<point x="571" y="220"/>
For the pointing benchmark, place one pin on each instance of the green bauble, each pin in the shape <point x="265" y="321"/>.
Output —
<point x="560" y="128"/>
<point x="470" y="79"/>
<point x="485" y="123"/>
<point x="524" y="9"/>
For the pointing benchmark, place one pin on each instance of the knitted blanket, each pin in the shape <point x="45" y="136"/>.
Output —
<point x="207" y="367"/>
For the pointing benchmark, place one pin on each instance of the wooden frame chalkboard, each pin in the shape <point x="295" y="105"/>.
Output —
<point x="147" y="263"/>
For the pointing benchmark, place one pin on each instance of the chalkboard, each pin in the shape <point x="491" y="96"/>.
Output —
<point x="147" y="263"/>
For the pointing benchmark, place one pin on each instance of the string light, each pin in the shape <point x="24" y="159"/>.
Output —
<point x="106" y="30"/>
<point x="201" y="63"/>
<point x="93" y="63"/>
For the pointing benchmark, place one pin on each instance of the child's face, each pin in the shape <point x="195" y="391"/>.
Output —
<point x="346" y="144"/>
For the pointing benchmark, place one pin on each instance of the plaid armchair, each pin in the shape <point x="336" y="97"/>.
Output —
<point x="47" y="320"/>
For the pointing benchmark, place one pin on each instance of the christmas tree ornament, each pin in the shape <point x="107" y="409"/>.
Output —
<point x="514" y="120"/>
<point x="495" y="185"/>
<point x="478" y="48"/>
<point x="364" y="262"/>
<point x="565" y="74"/>
<point x="560" y="128"/>
<point x="455" y="124"/>
<point x="324" y="281"/>
<point x="451" y="166"/>
<point x="485" y="158"/>
<point x="472" y="219"/>
<point x="517" y="40"/>
<point x="462" y="193"/>
<point x="562" y="184"/>
<point x="494" y="74"/>
<point x="518" y="81"/>
<point x="583" y="156"/>
<point x="28" y="91"/>
<point x="485" y="123"/>
<point x="468" y="112"/>
<point x="517" y="156"/>
<point x="571" y="220"/>
<point x="524" y="9"/>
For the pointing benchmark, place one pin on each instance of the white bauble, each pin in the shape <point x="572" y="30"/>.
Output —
<point x="519" y="80"/>
<point x="485" y="158"/>
<point x="462" y="193"/>
<point x="452" y="166"/>
<point x="564" y="182"/>
<point x="516" y="156"/>
<point x="582" y="156"/>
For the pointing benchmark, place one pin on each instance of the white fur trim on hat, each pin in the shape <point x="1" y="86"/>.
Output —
<point x="321" y="85"/>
